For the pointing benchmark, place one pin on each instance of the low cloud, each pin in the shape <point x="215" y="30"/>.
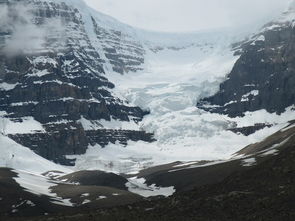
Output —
<point x="22" y="34"/>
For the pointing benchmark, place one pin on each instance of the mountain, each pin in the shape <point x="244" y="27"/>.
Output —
<point x="53" y="89"/>
<point x="263" y="76"/>
<point x="97" y="114"/>
<point x="65" y="89"/>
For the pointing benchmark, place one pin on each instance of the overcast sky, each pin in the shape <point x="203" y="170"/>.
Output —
<point x="188" y="15"/>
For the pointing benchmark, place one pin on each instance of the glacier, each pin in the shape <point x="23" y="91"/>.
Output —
<point x="178" y="70"/>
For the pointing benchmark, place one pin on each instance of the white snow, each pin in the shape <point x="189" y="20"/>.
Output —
<point x="30" y="203"/>
<point x="198" y="165"/>
<point x="288" y="127"/>
<point x="85" y="194"/>
<point x="285" y="19"/>
<point x="270" y="152"/>
<point x="44" y="60"/>
<point x="117" y="124"/>
<point x="18" y="157"/>
<point x="86" y="201"/>
<point x="245" y="97"/>
<point x="138" y="186"/>
<point x="36" y="184"/>
<point x="114" y="158"/>
<point x="262" y="116"/>
<point x="23" y="103"/>
<point x="27" y="126"/>
<point x="39" y="73"/>
<point x="249" y="162"/>
<point x="112" y="124"/>
<point x="273" y="150"/>
<point x="231" y="102"/>
<point x="39" y="185"/>
<point x="261" y="38"/>
<point x="6" y="87"/>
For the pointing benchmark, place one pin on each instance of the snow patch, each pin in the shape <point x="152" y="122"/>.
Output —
<point x="39" y="185"/>
<point x="7" y="87"/>
<point x="86" y="201"/>
<point x="274" y="149"/>
<point x="260" y="38"/>
<point x="138" y="186"/>
<point x="39" y="73"/>
<point x="249" y="162"/>
<point x="112" y="124"/>
<point x="85" y="195"/>
<point x="288" y="128"/>
<point x="253" y="93"/>
<point x="25" y="125"/>
<point x="270" y="152"/>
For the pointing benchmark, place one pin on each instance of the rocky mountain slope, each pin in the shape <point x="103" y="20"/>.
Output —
<point x="53" y="89"/>
<point x="61" y="92"/>
<point x="263" y="77"/>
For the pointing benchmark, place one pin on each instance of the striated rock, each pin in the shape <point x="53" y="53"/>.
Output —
<point x="57" y="78"/>
<point x="262" y="78"/>
<point x="250" y="129"/>
<point x="57" y="144"/>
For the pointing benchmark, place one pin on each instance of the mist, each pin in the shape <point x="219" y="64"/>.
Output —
<point x="190" y="15"/>
<point x="22" y="34"/>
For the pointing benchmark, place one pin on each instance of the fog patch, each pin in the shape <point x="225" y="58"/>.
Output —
<point x="3" y="16"/>
<point x="20" y="32"/>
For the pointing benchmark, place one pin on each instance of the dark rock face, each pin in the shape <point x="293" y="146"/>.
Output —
<point x="55" y="145"/>
<point x="105" y="136"/>
<point x="59" y="81"/>
<point x="250" y="129"/>
<point x="262" y="78"/>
